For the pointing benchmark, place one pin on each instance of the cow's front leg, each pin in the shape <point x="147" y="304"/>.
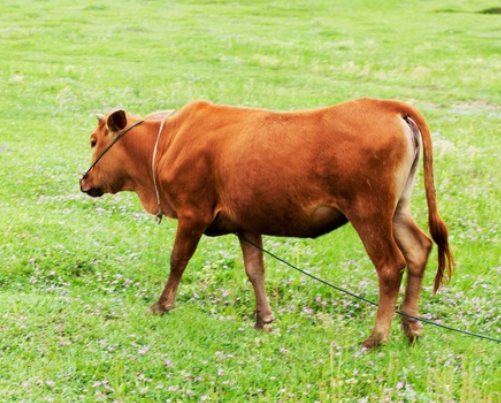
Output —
<point x="254" y="267"/>
<point x="189" y="232"/>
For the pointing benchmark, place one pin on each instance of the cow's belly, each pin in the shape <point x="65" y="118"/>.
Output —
<point x="302" y="223"/>
<point x="324" y="219"/>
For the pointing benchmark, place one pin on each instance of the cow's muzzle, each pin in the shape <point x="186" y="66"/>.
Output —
<point x="86" y="188"/>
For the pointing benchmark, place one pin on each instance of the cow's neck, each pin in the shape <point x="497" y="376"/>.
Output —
<point x="140" y="148"/>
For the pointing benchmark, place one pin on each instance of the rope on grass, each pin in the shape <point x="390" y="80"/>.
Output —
<point x="352" y="294"/>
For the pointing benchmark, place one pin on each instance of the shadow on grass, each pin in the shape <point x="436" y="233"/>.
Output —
<point x="493" y="10"/>
<point x="489" y="11"/>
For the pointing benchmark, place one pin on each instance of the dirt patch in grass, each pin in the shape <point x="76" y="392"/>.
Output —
<point x="477" y="104"/>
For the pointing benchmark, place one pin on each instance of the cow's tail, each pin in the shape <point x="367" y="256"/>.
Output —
<point x="437" y="227"/>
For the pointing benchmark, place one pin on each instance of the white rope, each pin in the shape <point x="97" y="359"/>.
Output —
<point x="158" y="216"/>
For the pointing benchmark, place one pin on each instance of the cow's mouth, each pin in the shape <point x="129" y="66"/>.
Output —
<point x="93" y="192"/>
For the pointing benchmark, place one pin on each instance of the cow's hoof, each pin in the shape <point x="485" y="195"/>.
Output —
<point x="412" y="328"/>
<point x="158" y="309"/>
<point x="264" y="327"/>
<point x="264" y="324"/>
<point x="371" y="343"/>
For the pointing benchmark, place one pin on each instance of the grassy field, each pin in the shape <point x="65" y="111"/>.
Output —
<point x="77" y="275"/>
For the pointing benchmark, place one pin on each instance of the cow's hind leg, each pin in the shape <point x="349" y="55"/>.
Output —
<point x="254" y="267"/>
<point x="375" y="232"/>
<point x="415" y="246"/>
<point x="188" y="234"/>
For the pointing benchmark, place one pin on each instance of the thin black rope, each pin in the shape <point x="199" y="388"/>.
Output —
<point x="352" y="294"/>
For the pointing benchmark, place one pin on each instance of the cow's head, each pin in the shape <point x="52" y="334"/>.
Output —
<point x="109" y="175"/>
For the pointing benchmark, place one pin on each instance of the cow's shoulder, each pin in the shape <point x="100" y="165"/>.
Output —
<point x="197" y="106"/>
<point x="208" y="107"/>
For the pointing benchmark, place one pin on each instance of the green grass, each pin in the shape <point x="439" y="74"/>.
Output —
<point x="77" y="275"/>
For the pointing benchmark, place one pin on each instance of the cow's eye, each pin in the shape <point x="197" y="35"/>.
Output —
<point x="93" y="143"/>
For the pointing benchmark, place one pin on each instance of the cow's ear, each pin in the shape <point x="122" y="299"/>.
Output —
<point x="117" y="121"/>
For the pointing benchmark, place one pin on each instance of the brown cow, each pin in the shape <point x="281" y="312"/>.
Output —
<point x="222" y="170"/>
